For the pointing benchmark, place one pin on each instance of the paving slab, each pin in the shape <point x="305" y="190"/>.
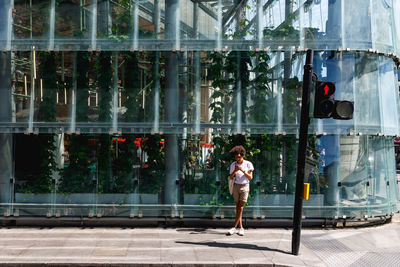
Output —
<point x="66" y="246"/>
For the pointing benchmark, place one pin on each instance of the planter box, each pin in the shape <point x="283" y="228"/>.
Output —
<point x="121" y="199"/>
<point x="87" y="198"/>
<point x="33" y="198"/>
<point x="287" y="200"/>
<point x="197" y="199"/>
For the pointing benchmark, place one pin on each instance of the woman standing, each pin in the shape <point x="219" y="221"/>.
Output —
<point x="241" y="171"/>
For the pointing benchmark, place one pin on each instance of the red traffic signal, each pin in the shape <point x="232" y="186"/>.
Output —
<point x="324" y="103"/>
<point x="328" y="89"/>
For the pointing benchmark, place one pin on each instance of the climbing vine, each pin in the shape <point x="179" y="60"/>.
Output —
<point x="79" y="174"/>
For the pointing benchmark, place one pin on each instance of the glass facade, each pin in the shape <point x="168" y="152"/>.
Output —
<point x="123" y="108"/>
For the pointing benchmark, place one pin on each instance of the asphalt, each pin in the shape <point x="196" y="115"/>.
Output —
<point x="66" y="246"/>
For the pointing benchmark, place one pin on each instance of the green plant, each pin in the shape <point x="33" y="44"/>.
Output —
<point x="238" y="66"/>
<point x="43" y="181"/>
<point x="285" y="31"/>
<point x="122" y="164"/>
<point x="125" y="154"/>
<point x="230" y="74"/>
<point x="47" y="112"/>
<point x="260" y="111"/>
<point x="153" y="170"/>
<point x="219" y="83"/>
<point x="78" y="176"/>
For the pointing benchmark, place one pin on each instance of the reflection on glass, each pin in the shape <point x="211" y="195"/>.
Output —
<point x="136" y="115"/>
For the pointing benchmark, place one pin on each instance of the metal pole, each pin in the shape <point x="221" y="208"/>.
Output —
<point x="301" y="154"/>
<point x="171" y="106"/>
<point x="156" y="21"/>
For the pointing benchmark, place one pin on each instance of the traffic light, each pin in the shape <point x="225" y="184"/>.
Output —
<point x="324" y="99"/>
<point x="325" y="105"/>
<point x="343" y="110"/>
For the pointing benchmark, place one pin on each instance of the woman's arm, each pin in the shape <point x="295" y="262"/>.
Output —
<point x="232" y="176"/>
<point x="248" y="174"/>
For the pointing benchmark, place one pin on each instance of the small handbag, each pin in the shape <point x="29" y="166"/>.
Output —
<point x="230" y="183"/>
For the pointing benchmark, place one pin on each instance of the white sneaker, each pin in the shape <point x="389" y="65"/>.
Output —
<point x="241" y="231"/>
<point x="232" y="231"/>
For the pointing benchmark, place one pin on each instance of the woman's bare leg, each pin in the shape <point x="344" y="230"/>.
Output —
<point x="241" y="206"/>
<point x="239" y="212"/>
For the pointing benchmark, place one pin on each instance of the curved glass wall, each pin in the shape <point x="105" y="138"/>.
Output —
<point x="230" y="92"/>
<point x="210" y="25"/>
<point x="129" y="108"/>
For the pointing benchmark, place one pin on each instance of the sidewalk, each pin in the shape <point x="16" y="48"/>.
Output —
<point x="371" y="246"/>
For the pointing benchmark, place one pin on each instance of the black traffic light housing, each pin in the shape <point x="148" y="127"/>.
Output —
<point x="324" y="99"/>
<point x="325" y="105"/>
<point x="343" y="110"/>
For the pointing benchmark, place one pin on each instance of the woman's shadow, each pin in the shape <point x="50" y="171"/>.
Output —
<point x="230" y="245"/>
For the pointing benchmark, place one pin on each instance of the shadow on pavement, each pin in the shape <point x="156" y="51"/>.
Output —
<point x="201" y="231"/>
<point x="229" y="245"/>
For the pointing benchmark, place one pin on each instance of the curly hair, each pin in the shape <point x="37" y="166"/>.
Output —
<point x="238" y="150"/>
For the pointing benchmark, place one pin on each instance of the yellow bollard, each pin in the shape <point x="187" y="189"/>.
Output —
<point x="306" y="192"/>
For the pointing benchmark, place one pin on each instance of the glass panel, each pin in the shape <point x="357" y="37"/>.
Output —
<point x="151" y="173"/>
<point x="6" y="31"/>
<point x="104" y="19"/>
<point x="366" y="92"/>
<point x="396" y="10"/>
<point x="382" y="30"/>
<point x="329" y="167"/>
<point x="281" y="26"/>
<point x="53" y="87"/>
<point x="201" y="174"/>
<point x="22" y="87"/>
<point x="391" y="173"/>
<point x="78" y="176"/>
<point x="123" y="23"/>
<point x="396" y="82"/>
<point x="42" y="87"/>
<point x="353" y="176"/>
<point x="70" y="20"/>
<point x="388" y="93"/>
<point x="378" y="197"/>
<point x="314" y="23"/>
<point x="315" y="176"/>
<point x="186" y="9"/>
<point x="137" y="113"/>
<point x="357" y="14"/>
<point x="339" y="68"/>
<point x="110" y="25"/>
<point x="31" y="19"/>
<point x="7" y="188"/>
<point x="207" y="28"/>
<point x="34" y="174"/>
<point x="345" y="71"/>
<point x="123" y="92"/>
<point x="103" y="175"/>
<point x="275" y="168"/>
